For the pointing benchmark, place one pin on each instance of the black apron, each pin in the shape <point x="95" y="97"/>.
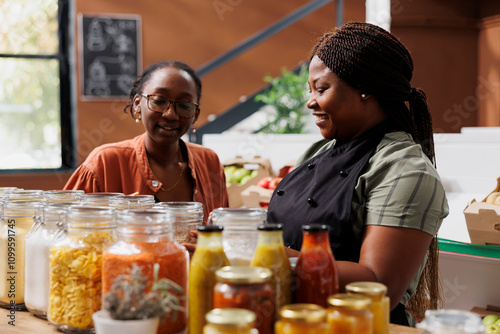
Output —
<point x="320" y="191"/>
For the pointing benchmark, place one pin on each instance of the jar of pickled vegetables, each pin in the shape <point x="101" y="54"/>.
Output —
<point x="230" y="321"/>
<point x="146" y="239"/>
<point x="271" y="254"/>
<point x="127" y="202"/>
<point x="37" y="272"/>
<point x="240" y="232"/>
<point x="349" y="314"/>
<point x="64" y="196"/>
<point x="99" y="199"/>
<point x="76" y="267"/>
<point x="302" y="319"/>
<point x="380" y="307"/>
<point x="16" y="219"/>
<point x="249" y="288"/>
<point x="451" y="322"/>
<point x="187" y="216"/>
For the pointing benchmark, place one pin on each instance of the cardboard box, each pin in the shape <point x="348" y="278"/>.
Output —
<point x="256" y="197"/>
<point x="234" y="190"/>
<point x="483" y="221"/>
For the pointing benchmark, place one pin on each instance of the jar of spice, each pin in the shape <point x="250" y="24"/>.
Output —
<point x="380" y="307"/>
<point x="76" y="268"/>
<point x="302" y="319"/>
<point x="63" y="196"/>
<point x="249" y="288"/>
<point x="127" y="202"/>
<point x="16" y="219"/>
<point x="43" y="233"/>
<point x="349" y="314"/>
<point x="146" y="238"/>
<point x="99" y="199"/>
<point x="230" y="321"/>
<point x="187" y="216"/>
<point x="240" y="232"/>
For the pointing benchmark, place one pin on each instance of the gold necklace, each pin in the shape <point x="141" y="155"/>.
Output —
<point x="180" y="174"/>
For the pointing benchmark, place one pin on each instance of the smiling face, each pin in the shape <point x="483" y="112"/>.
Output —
<point x="341" y="113"/>
<point x="174" y="85"/>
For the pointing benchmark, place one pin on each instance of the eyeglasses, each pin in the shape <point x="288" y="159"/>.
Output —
<point x="160" y="103"/>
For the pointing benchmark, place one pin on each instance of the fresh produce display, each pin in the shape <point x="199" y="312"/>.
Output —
<point x="239" y="175"/>
<point x="269" y="182"/>
<point x="491" y="323"/>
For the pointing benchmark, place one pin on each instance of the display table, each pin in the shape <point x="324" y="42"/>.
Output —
<point x="27" y="323"/>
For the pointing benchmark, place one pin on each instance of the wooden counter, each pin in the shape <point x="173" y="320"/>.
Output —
<point x="26" y="323"/>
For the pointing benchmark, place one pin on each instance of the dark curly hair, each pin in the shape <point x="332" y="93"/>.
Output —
<point x="144" y="77"/>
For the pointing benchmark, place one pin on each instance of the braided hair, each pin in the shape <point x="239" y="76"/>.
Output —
<point x="372" y="60"/>
<point x="144" y="77"/>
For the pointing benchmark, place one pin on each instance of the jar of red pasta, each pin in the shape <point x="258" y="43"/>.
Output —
<point x="248" y="288"/>
<point x="146" y="239"/>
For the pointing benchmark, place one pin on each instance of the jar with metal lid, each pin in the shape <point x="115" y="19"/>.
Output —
<point x="43" y="233"/>
<point x="63" y="196"/>
<point x="99" y="199"/>
<point x="187" y="216"/>
<point x="230" y="321"/>
<point x="302" y="319"/>
<point x="75" y="291"/>
<point x="249" y="288"/>
<point x="26" y="194"/>
<point x="127" y="202"/>
<point x="380" y="307"/>
<point x="240" y="232"/>
<point x="271" y="254"/>
<point x="451" y="322"/>
<point x="16" y="219"/>
<point x="349" y="314"/>
<point x="146" y="239"/>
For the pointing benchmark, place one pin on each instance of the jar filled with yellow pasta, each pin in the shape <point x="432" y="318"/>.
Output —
<point x="349" y="314"/>
<point x="76" y="268"/>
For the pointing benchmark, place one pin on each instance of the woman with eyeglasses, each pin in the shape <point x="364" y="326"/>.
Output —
<point x="166" y="99"/>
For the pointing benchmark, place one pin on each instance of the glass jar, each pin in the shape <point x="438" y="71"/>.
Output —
<point x="16" y="219"/>
<point x="451" y="322"/>
<point x="249" y="288"/>
<point x="349" y="314"/>
<point x="316" y="269"/>
<point x="98" y="199"/>
<point x="146" y="239"/>
<point x="240" y="232"/>
<point x="380" y="307"/>
<point x="76" y="268"/>
<point x="207" y="258"/>
<point x="187" y="216"/>
<point x="229" y="321"/>
<point x="302" y="319"/>
<point x="271" y="254"/>
<point x="63" y="196"/>
<point x="127" y="202"/>
<point x="26" y="194"/>
<point x="6" y="190"/>
<point x="45" y="231"/>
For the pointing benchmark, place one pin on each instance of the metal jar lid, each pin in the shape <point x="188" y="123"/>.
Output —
<point x="243" y="275"/>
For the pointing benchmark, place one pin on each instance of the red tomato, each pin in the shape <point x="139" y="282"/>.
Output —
<point x="290" y="169"/>
<point x="274" y="182"/>
<point x="264" y="182"/>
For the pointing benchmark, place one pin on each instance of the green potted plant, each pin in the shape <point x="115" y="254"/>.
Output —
<point x="130" y="308"/>
<point x="287" y="94"/>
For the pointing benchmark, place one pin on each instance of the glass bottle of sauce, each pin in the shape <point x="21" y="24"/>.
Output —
<point x="249" y="288"/>
<point x="146" y="238"/>
<point x="349" y="314"/>
<point x="380" y="307"/>
<point x="316" y="270"/>
<point x="302" y="319"/>
<point x="208" y="257"/>
<point x="271" y="254"/>
<point x="230" y="321"/>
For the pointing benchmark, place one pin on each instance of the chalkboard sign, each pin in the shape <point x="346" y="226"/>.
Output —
<point x="110" y="55"/>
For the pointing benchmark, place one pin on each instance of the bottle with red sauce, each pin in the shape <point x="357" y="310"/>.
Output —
<point x="316" y="270"/>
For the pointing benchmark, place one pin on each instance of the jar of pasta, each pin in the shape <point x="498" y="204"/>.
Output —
<point x="127" y="202"/>
<point x="43" y="233"/>
<point x="302" y="319"/>
<point x="146" y="239"/>
<point x="76" y="267"/>
<point x="349" y="314"/>
<point x="249" y="288"/>
<point x="380" y="307"/>
<point x="187" y="216"/>
<point x="230" y="321"/>
<point x="16" y="219"/>
<point x="63" y="196"/>
<point x="99" y="199"/>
